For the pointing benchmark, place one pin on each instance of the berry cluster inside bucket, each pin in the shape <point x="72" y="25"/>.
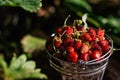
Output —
<point x="78" y="42"/>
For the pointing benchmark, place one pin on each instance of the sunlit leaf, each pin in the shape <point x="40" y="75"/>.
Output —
<point x="16" y="64"/>
<point x="29" y="5"/>
<point x="3" y="63"/>
<point x="31" y="43"/>
<point x="29" y="65"/>
<point x="20" y="68"/>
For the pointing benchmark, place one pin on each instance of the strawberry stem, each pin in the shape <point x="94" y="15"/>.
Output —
<point x="84" y="18"/>
<point x="116" y="49"/>
<point x="66" y="20"/>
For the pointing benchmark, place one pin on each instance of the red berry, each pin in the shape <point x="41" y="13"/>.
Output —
<point x="86" y="37"/>
<point x="69" y="49"/>
<point x="95" y="46"/>
<point x="72" y="57"/>
<point x="59" y="30"/>
<point x="100" y="38"/>
<point x="93" y="38"/>
<point x="84" y="56"/>
<point x="69" y="30"/>
<point x="57" y="43"/>
<point x="84" y="48"/>
<point x="103" y="42"/>
<point x="80" y="28"/>
<point x="100" y="32"/>
<point x="50" y="39"/>
<point x="77" y="44"/>
<point x="96" y="54"/>
<point x="92" y="31"/>
<point x="67" y="41"/>
<point x="105" y="48"/>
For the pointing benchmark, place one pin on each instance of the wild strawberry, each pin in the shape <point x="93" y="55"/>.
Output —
<point x="92" y="31"/>
<point x="105" y="48"/>
<point x="95" y="46"/>
<point x="57" y="43"/>
<point x="84" y="48"/>
<point x="86" y="37"/>
<point x="100" y="32"/>
<point x="80" y="28"/>
<point x="67" y="41"/>
<point x="59" y="30"/>
<point x="50" y="39"/>
<point x="96" y="54"/>
<point x="103" y="42"/>
<point x="85" y="56"/>
<point x="93" y="38"/>
<point x="100" y="38"/>
<point x="69" y="49"/>
<point x="68" y="30"/>
<point x="77" y="44"/>
<point x="72" y="57"/>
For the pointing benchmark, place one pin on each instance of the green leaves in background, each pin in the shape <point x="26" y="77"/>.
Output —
<point x="110" y="22"/>
<point x="31" y="43"/>
<point x="20" y="68"/>
<point x="28" y="5"/>
<point x="78" y="5"/>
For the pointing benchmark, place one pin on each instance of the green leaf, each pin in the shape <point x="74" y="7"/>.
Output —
<point x="20" y="68"/>
<point x="76" y="5"/>
<point x="16" y="64"/>
<point x="29" y="65"/>
<point x="28" y="5"/>
<point x="111" y="22"/>
<point x="3" y="64"/>
<point x="31" y="43"/>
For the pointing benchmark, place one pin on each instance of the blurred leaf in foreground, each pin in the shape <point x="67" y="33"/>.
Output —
<point x="20" y="68"/>
<point x="31" y="43"/>
<point x="28" y="5"/>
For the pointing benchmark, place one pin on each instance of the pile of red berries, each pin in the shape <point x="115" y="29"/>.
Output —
<point x="71" y="43"/>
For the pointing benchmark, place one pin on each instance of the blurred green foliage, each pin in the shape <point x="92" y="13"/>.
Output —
<point x="20" y="68"/>
<point x="78" y="5"/>
<point x="29" y="5"/>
